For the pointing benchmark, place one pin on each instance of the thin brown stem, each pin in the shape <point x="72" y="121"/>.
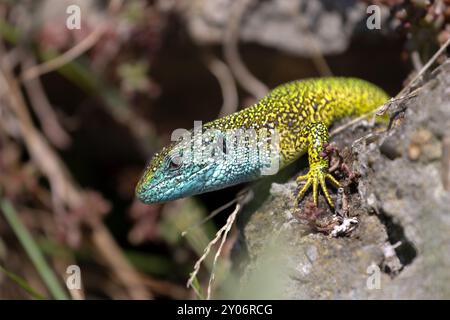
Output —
<point x="231" y="51"/>
<point x="225" y="78"/>
<point x="44" y="111"/>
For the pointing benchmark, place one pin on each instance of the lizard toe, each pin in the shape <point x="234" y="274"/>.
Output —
<point x="316" y="178"/>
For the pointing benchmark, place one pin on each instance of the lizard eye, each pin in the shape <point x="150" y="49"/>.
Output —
<point x="174" y="163"/>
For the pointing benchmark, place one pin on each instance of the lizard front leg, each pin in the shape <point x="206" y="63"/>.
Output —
<point x="316" y="137"/>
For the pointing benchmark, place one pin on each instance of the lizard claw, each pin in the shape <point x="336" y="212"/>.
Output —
<point x="316" y="177"/>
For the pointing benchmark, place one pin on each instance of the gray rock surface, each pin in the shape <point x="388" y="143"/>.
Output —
<point x="281" y="23"/>
<point x="401" y="205"/>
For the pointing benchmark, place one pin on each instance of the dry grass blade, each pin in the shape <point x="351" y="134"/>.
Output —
<point x="220" y="235"/>
<point x="226" y="228"/>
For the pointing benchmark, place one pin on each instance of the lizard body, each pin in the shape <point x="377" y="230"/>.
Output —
<point x="300" y="112"/>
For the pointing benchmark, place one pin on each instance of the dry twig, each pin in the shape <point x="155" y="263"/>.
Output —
<point x="221" y="234"/>
<point x="226" y="229"/>
<point x="225" y="78"/>
<point x="241" y="198"/>
<point x="74" y="52"/>
<point x="44" y="111"/>
<point x="231" y="39"/>
<point x="68" y="56"/>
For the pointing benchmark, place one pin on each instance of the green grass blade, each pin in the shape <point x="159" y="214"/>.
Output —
<point x="197" y="289"/>
<point x="32" y="250"/>
<point x="22" y="283"/>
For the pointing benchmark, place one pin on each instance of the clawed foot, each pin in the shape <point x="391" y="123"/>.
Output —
<point x="314" y="177"/>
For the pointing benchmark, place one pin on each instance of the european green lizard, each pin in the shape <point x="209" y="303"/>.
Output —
<point x="300" y="113"/>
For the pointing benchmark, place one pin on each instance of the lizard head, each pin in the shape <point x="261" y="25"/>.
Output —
<point x="197" y="165"/>
<point x="163" y="178"/>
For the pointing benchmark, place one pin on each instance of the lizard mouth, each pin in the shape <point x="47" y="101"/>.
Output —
<point x="170" y="188"/>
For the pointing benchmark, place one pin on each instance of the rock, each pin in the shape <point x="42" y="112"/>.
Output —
<point x="281" y="23"/>
<point x="401" y="246"/>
